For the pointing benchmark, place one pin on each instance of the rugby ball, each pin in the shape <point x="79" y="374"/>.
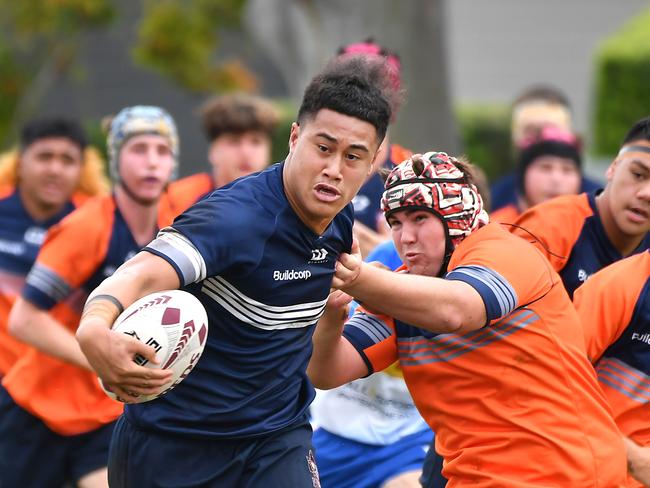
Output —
<point x="175" y="324"/>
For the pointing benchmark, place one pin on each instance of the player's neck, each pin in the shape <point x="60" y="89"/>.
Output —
<point x="141" y="218"/>
<point x="624" y="243"/>
<point x="37" y="210"/>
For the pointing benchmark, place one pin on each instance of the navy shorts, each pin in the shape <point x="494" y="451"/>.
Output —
<point x="280" y="459"/>
<point x="432" y="471"/>
<point x="32" y="455"/>
<point x="344" y="463"/>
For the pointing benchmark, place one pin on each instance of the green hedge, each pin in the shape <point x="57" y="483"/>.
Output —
<point x="485" y="136"/>
<point x="484" y="128"/>
<point x="622" y="81"/>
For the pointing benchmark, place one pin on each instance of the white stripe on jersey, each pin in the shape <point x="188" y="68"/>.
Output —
<point x="258" y="314"/>
<point x="181" y="250"/>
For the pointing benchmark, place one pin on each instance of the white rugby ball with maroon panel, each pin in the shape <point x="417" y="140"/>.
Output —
<point x="175" y="324"/>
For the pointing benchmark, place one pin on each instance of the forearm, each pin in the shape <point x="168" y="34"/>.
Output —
<point x="430" y="303"/>
<point x="40" y="330"/>
<point x="143" y="275"/>
<point x="638" y="461"/>
<point x="327" y="356"/>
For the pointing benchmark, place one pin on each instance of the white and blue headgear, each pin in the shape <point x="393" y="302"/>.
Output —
<point x="138" y="120"/>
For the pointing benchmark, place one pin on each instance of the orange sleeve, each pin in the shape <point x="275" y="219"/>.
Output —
<point x="507" y="272"/>
<point x="606" y="302"/>
<point x="506" y="215"/>
<point x="71" y="253"/>
<point x="373" y="337"/>
<point x="554" y="226"/>
<point x="181" y="195"/>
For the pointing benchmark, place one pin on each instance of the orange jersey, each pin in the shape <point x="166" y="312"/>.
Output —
<point x="614" y="306"/>
<point x="182" y="194"/>
<point x="515" y="403"/>
<point x="398" y="154"/>
<point x="20" y="239"/>
<point x="505" y="215"/>
<point x="79" y="253"/>
<point x="569" y="232"/>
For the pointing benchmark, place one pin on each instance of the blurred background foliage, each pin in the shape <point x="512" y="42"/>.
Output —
<point x="179" y="38"/>
<point x="622" y="80"/>
<point x="40" y="42"/>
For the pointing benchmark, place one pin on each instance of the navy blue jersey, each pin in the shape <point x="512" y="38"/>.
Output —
<point x="20" y="239"/>
<point x="264" y="278"/>
<point x="20" y="235"/>
<point x="570" y="233"/>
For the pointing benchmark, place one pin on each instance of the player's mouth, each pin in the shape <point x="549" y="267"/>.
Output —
<point x="326" y="193"/>
<point x="638" y="215"/>
<point x="411" y="256"/>
<point x="150" y="180"/>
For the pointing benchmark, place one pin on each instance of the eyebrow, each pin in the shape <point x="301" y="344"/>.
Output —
<point x="333" y="139"/>
<point x="638" y="162"/>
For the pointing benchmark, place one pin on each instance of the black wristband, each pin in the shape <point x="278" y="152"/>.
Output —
<point x="110" y="298"/>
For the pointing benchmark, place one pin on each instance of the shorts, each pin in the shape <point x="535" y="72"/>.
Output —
<point x="32" y="455"/>
<point x="344" y="463"/>
<point x="140" y="458"/>
<point x="432" y="470"/>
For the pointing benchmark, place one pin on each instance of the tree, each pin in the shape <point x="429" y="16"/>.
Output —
<point x="39" y="40"/>
<point x="179" y="39"/>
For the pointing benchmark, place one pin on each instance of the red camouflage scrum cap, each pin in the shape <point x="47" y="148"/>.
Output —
<point x="434" y="183"/>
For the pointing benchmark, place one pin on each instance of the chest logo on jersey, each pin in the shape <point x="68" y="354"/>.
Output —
<point x="318" y="255"/>
<point x="35" y="236"/>
<point x="641" y="337"/>
<point x="291" y="274"/>
<point x="583" y="275"/>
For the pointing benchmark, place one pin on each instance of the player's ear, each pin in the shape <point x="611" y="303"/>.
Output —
<point x="293" y="136"/>
<point x="609" y="174"/>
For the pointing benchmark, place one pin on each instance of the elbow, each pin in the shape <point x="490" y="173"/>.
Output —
<point x="447" y="320"/>
<point x="321" y="380"/>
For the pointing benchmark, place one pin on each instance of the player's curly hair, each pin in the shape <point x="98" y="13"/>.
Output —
<point x="351" y="86"/>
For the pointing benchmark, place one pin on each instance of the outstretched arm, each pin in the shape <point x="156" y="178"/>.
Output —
<point x="442" y="306"/>
<point x="39" y="329"/>
<point x="110" y="353"/>
<point x="334" y="361"/>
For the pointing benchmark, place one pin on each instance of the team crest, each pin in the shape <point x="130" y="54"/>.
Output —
<point x="318" y="256"/>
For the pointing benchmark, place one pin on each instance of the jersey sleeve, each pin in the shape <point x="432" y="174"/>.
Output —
<point x="554" y="227"/>
<point x="506" y="274"/>
<point x="71" y="253"/>
<point x="606" y="303"/>
<point x="211" y="236"/>
<point x="374" y="339"/>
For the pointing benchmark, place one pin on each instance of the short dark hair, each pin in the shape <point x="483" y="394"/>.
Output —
<point x="542" y="93"/>
<point x="43" y="128"/>
<point x="640" y="131"/>
<point x="350" y="86"/>
<point x="238" y="113"/>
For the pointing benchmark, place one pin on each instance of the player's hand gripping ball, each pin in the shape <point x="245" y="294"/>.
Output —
<point x="175" y="324"/>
